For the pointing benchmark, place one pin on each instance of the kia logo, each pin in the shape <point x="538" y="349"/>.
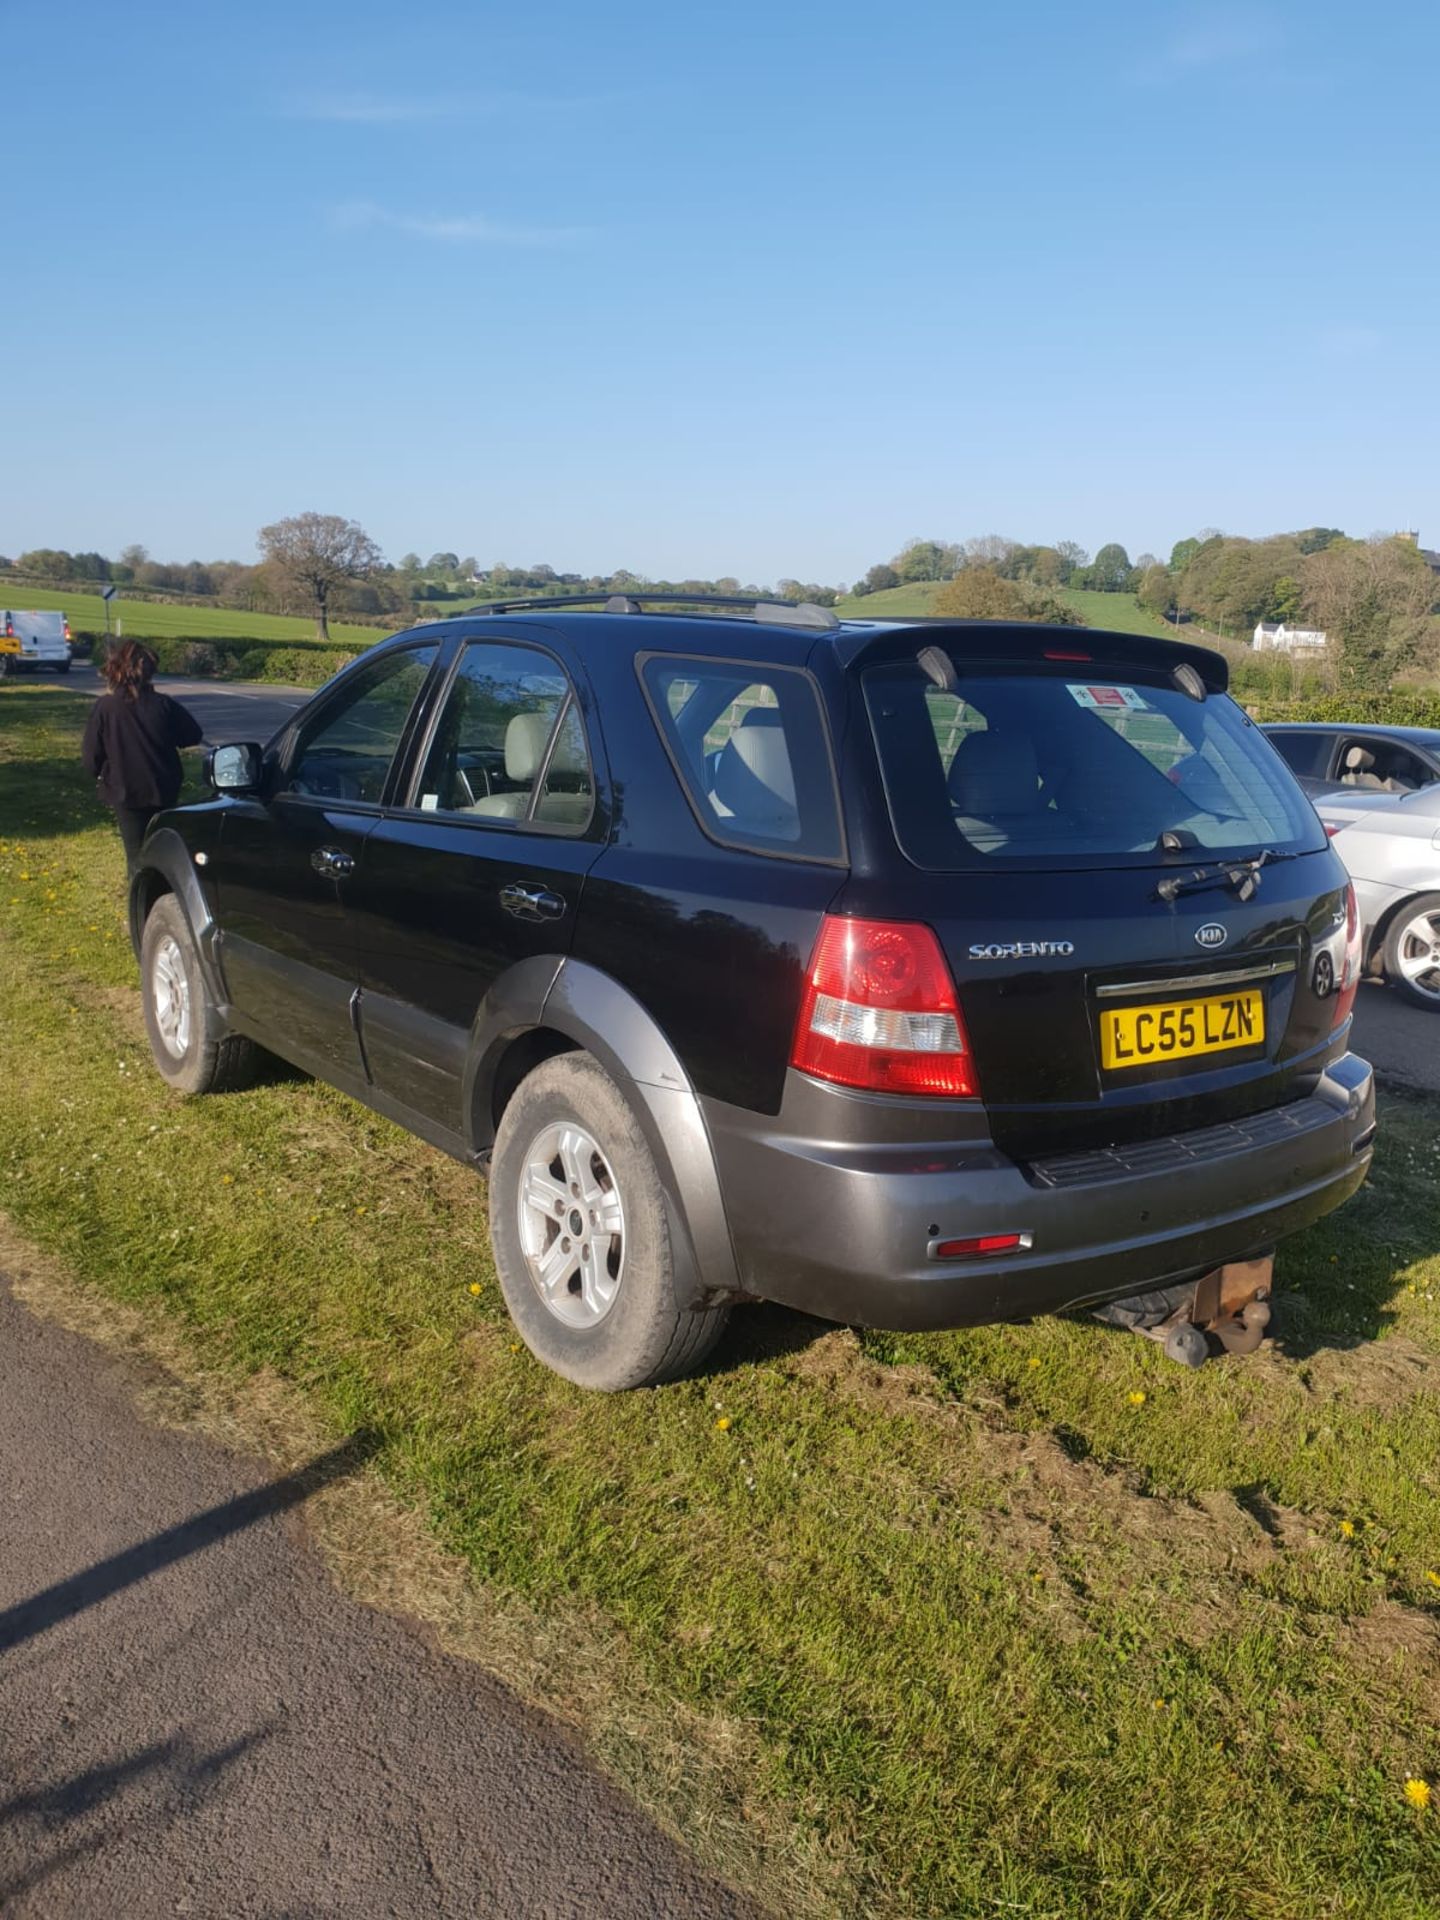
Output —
<point x="1211" y="935"/>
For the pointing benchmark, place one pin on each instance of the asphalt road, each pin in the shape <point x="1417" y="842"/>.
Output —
<point x="196" y="1721"/>
<point x="1401" y="1042"/>
<point x="235" y="711"/>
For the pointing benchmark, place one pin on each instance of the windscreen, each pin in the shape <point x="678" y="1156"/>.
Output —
<point x="1042" y="769"/>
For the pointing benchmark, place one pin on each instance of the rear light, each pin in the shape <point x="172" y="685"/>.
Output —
<point x="9" y="628"/>
<point x="1055" y="654"/>
<point x="1348" y="972"/>
<point x="66" y="625"/>
<point x="1331" y="831"/>
<point x="880" y="1012"/>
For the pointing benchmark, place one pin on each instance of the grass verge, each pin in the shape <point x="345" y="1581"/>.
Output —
<point x="1015" y="1620"/>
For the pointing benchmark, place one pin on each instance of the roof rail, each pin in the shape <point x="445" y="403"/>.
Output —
<point x="775" y="613"/>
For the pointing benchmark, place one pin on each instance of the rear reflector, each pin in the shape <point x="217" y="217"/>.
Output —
<point x="981" y="1244"/>
<point x="879" y="1012"/>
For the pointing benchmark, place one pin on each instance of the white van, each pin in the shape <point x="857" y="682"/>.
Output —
<point x="34" y="640"/>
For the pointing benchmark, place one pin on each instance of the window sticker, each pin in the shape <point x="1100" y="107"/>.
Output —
<point x="429" y="802"/>
<point x="1112" y="698"/>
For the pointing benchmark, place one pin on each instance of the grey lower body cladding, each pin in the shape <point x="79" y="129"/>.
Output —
<point x="846" y="1231"/>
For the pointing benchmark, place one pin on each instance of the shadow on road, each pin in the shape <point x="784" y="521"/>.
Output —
<point x="173" y="1764"/>
<point x="68" y="1597"/>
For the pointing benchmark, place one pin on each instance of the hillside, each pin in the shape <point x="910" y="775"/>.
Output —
<point x="142" y="621"/>
<point x="1118" y="611"/>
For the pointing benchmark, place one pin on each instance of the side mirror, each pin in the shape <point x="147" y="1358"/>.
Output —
<point x="235" y="768"/>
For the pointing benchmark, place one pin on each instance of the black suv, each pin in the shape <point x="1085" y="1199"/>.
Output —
<point x="914" y="974"/>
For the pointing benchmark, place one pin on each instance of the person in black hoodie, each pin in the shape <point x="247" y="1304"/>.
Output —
<point x="132" y="744"/>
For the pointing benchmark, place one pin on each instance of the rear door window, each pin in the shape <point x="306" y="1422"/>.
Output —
<point x="1306" y="754"/>
<point x="750" y="746"/>
<point x="1041" y="770"/>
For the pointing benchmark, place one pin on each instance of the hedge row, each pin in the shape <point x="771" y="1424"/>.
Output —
<point x="1356" y="709"/>
<point x="293" y="663"/>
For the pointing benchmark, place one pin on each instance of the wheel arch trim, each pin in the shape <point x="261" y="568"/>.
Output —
<point x="168" y="859"/>
<point x="592" y="1009"/>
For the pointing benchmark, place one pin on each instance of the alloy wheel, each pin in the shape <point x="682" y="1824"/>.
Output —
<point x="170" y="994"/>
<point x="572" y="1224"/>
<point x="1417" y="952"/>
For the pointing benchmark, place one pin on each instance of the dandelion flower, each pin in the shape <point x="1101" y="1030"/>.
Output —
<point x="514" y="1346"/>
<point x="1417" y="1792"/>
<point x="1033" y="1361"/>
<point x="1136" y="1399"/>
<point x="474" y="1286"/>
<point x="1432" y="1576"/>
<point x="227" y="1179"/>
<point x="723" y="1423"/>
<point x="1347" y="1529"/>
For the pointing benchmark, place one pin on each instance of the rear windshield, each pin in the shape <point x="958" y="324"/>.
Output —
<point x="1041" y="769"/>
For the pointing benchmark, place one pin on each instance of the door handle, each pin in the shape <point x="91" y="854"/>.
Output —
<point x="333" y="862"/>
<point x="531" y="903"/>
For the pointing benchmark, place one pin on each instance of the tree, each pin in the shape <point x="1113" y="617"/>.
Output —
<point x="1316" y="539"/>
<point x="445" y="565"/>
<point x="879" y="579"/>
<point x="410" y="563"/>
<point x="979" y="593"/>
<point x="318" y="552"/>
<point x="1375" y="598"/>
<point x="1073" y="557"/>
<point x="1110" y="569"/>
<point x="988" y="550"/>
<point x="1156" y="592"/>
<point x="923" y="560"/>
<point x="134" y="556"/>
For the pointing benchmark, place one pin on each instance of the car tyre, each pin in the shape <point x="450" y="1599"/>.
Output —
<point x="580" y="1225"/>
<point x="1405" y="959"/>
<point x="191" y="1047"/>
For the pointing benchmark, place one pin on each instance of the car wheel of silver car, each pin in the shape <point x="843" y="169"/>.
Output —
<point x="580" y="1225"/>
<point x="192" y="1050"/>
<point x="1412" y="951"/>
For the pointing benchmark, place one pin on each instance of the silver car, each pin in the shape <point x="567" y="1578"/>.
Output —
<point x="1391" y="844"/>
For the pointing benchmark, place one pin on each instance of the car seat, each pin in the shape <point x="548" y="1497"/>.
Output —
<point x="526" y="738"/>
<point x="1360" y="770"/>
<point x="754" y="781"/>
<point x="994" y="786"/>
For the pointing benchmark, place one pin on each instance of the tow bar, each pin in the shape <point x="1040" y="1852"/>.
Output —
<point x="1230" y="1304"/>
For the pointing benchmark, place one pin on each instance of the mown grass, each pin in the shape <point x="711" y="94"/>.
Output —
<point x="1117" y="611"/>
<point x="1020" y="1620"/>
<point x="142" y="620"/>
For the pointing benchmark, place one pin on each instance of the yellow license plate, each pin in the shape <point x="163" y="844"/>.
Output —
<point x="1148" y="1036"/>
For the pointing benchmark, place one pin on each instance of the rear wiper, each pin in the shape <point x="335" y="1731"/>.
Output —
<point x="1241" y="876"/>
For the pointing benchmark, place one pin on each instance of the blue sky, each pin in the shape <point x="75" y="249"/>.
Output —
<point x="752" y="288"/>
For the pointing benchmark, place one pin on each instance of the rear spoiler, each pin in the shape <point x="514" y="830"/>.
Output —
<point x="1006" y="642"/>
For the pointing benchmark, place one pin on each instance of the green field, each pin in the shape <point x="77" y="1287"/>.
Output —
<point x="1117" y="611"/>
<point x="143" y="621"/>
<point x="893" y="603"/>
<point x="1015" y="1621"/>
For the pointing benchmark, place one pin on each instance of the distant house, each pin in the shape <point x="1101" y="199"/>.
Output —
<point x="1273" y="636"/>
<point x="1427" y="554"/>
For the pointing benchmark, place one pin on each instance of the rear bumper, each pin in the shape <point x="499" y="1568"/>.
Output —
<point x="843" y="1230"/>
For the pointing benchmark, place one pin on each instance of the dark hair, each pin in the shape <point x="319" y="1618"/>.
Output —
<point x="129" y="667"/>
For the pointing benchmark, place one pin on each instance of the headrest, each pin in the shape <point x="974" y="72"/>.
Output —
<point x="754" y="781"/>
<point x="525" y="739"/>
<point x="994" y="773"/>
<point x="1359" y="760"/>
